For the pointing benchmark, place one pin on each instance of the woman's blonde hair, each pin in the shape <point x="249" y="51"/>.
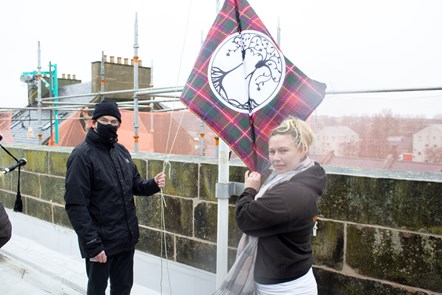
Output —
<point x="299" y="131"/>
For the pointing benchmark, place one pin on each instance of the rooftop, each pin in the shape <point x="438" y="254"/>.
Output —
<point x="31" y="265"/>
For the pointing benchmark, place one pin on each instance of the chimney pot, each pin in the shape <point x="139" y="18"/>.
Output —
<point x="63" y="76"/>
<point x="112" y="58"/>
<point x="69" y="76"/>
<point x="118" y="60"/>
<point x="126" y="61"/>
<point x="74" y="77"/>
<point x="140" y="63"/>
<point x="105" y="57"/>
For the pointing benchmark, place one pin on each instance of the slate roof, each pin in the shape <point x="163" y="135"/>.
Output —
<point x="25" y="123"/>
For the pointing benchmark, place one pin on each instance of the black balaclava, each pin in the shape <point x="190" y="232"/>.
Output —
<point x="107" y="132"/>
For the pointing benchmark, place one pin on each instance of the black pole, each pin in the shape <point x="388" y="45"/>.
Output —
<point x="18" y="206"/>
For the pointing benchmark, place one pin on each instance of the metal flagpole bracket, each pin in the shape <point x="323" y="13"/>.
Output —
<point x="226" y="190"/>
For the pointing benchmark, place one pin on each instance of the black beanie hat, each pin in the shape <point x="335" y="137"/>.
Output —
<point x="106" y="108"/>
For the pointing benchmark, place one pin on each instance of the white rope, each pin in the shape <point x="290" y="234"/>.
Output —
<point x="176" y="83"/>
<point x="166" y="165"/>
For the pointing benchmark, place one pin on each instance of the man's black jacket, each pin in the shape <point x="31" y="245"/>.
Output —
<point x="101" y="180"/>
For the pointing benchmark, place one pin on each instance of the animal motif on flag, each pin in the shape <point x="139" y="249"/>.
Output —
<point x="243" y="86"/>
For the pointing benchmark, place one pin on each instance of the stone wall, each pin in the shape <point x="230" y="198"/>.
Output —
<point x="375" y="235"/>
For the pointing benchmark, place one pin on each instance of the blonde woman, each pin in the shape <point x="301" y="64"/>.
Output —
<point x="277" y="218"/>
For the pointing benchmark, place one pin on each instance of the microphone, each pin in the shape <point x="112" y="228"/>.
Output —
<point x="20" y="162"/>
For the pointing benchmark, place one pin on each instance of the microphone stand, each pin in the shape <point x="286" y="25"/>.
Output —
<point x="18" y="206"/>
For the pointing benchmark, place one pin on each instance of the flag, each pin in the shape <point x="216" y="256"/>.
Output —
<point x="242" y="85"/>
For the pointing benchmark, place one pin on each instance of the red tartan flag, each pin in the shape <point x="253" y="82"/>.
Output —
<point x="242" y="85"/>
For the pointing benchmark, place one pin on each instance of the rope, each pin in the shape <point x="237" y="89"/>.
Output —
<point x="163" y="244"/>
<point x="166" y="164"/>
<point x="176" y="83"/>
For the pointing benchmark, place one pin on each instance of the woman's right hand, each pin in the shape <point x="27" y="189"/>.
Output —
<point x="252" y="180"/>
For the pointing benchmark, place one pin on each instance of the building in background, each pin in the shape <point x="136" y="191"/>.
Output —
<point x="340" y="140"/>
<point x="427" y="144"/>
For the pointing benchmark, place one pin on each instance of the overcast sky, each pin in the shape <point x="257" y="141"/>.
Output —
<point x="347" y="44"/>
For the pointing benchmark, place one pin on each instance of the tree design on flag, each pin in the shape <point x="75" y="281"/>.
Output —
<point x="242" y="85"/>
<point x="246" y="70"/>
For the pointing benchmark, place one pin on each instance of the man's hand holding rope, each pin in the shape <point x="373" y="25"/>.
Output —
<point x="160" y="179"/>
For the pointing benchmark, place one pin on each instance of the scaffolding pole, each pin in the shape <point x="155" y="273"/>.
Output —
<point x="136" y="46"/>
<point x="102" y="76"/>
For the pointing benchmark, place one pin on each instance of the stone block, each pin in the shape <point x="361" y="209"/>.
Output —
<point x="206" y="223"/>
<point x="5" y="159"/>
<point x="196" y="253"/>
<point x="205" y="220"/>
<point x="412" y="205"/>
<point x="52" y="188"/>
<point x="57" y="163"/>
<point x="149" y="210"/>
<point x="7" y="198"/>
<point x="141" y="166"/>
<point x="328" y="244"/>
<point x="155" y="242"/>
<point x="6" y="182"/>
<point x="183" y="178"/>
<point x="330" y="282"/>
<point x="37" y="160"/>
<point x="208" y="180"/>
<point x="417" y="206"/>
<point x="235" y="232"/>
<point x="397" y="256"/>
<point x="38" y="209"/>
<point x="177" y="213"/>
<point x="29" y="184"/>
<point x="153" y="167"/>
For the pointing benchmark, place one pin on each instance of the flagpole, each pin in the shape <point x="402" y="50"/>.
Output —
<point x="223" y="207"/>
<point x="223" y="213"/>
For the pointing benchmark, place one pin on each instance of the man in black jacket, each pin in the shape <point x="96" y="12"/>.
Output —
<point x="101" y="180"/>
